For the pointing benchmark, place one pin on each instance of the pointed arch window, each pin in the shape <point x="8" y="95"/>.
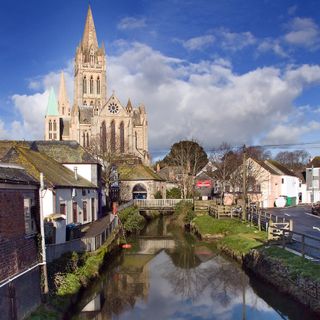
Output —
<point x="121" y="137"/>
<point x="91" y="84"/>
<point x="83" y="139"/>
<point x="50" y="125"/>
<point x="98" y="85"/>
<point x="113" y="137"/>
<point x="136" y="139"/>
<point x="103" y="135"/>
<point x="84" y="84"/>
<point x="88" y="141"/>
<point x="54" y="125"/>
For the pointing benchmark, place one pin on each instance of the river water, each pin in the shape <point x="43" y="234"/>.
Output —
<point x="169" y="275"/>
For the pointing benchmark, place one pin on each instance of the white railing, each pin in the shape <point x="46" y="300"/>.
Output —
<point x="158" y="203"/>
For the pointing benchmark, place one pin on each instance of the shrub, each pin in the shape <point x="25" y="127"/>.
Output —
<point x="184" y="212"/>
<point x="174" y="193"/>
<point x="135" y="222"/>
<point x="158" y="195"/>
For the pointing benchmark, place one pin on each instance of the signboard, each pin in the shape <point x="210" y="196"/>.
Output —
<point x="204" y="183"/>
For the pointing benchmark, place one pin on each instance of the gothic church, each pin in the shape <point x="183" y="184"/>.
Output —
<point x="95" y="120"/>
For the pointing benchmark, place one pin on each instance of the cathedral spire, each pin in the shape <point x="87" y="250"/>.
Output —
<point x="52" y="107"/>
<point x="89" y="38"/>
<point x="63" y="102"/>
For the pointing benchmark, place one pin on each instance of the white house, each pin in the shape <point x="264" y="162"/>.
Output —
<point x="313" y="180"/>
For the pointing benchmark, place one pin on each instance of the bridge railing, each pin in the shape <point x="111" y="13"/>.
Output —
<point x="158" y="203"/>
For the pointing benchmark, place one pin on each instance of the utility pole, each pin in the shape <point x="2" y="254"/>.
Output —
<point x="43" y="244"/>
<point x="244" y="184"/>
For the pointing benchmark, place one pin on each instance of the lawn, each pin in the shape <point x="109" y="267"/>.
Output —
<point x="238" y="235"/>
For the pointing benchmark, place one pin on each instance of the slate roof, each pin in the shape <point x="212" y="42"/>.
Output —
<point x="55" y="174"/>
<point x="61" y="151"/>
<point x="283" y="170"/>
<point x="14" y="174"/>
<point x="137" y="172"/>
<point x="315" y="162"/>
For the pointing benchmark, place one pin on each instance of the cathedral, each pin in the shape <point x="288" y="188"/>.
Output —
<point x="96" y="121"/>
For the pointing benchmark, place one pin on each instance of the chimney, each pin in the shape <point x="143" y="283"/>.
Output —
<point x="75" y="169"/>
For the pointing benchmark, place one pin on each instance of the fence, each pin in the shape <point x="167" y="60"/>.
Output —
<point x="158" y="203"/>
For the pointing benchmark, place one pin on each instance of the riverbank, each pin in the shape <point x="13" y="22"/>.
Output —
<point x="288" y="272"/>
<point x="70" y="274"/>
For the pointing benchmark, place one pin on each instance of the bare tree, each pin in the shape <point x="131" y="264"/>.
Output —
<point x="226" y="160"/>
<point x="293" y="160"/>
<point x="188" y="158"/>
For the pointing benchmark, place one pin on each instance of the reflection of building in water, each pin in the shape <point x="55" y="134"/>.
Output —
<point x="123" y="287"/>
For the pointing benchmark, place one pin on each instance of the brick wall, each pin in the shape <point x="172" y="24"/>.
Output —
<point x="17" y="252"/>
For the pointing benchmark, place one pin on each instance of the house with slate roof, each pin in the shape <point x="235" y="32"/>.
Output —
<point x="19" y="226"/>
<point x="67" y="193"/>
<point x="138" y="181"/>
<point x="267" y="181"/>
<point x="313" y="180"/>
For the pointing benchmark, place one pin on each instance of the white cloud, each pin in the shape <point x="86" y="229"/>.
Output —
<point x="198" y="43"/>
<point x="128" y="23"/>
<point x="303" y="32"/>
<point x="235" y="40"/>
<point x="290" y="133"/>
<point x="273" y="45"/>
<point x="206" y="100"/>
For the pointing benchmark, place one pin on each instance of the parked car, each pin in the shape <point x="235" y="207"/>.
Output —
<point x="315" y="209"/>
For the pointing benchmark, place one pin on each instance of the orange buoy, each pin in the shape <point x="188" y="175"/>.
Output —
<point x="126" y="246"/>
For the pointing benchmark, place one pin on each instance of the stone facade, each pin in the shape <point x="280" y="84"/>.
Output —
<point x="95" y="120"/>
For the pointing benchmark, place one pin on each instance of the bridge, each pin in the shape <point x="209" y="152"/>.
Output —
<point x="152" y="245"/>
<point x="158" y="204"/>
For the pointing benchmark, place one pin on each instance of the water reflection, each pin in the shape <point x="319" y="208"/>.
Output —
<point x="180" y="280"/>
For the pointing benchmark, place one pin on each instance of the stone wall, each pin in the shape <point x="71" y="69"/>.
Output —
<point x="305" y="290"/>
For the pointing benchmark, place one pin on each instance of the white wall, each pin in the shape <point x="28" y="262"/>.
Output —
<point x="51" y="203"/>
<point x="290" y="186"/>
<point x="87" y="171"/>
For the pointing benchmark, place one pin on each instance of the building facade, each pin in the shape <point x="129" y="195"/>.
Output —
<point x="95" y="120"/>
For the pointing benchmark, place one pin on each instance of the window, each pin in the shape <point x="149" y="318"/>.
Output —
<point x="63" y="110"/>
<point x="84" y="208"/>
<point x="88" y="142"/>
<point x="98" y="85"/>
<point x="92" y="209"/>
<point x="282" y="180"/>
<point x="84" y="84"/>
<point x="54" y="136"/>
<point x="63" y="208"/>
<point x="50" y="125"/>
<point x="30" y="227"/>
<point x="113" y="136"/>
<point x="50" y="136"/>
<point x="83" y="139"/>
<point x="121" y="137"/>
<point x="54" y="125"/>
<point x="74" y="212"/>
<point x="103" y="137"/>
<point x="91" y="84"/>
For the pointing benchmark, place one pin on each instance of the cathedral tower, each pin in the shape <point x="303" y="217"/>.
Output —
<point x="90" y="69"/>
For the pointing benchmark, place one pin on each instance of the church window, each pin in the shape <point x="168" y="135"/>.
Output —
<point x="50" y="125"/>
<point x="91" y="103"/>
<point x="91" y="84"/>
<point x="84" y="102"/>
<point x="84" y="84"/>
<point x="63" y="110"/>
<point x="121" y="137"/>
<point x="136" y="139"/>
<point x="103" y="135"/>
<point x="50" y="136"/>
<point x="83" y="139"/>
<point x="54" y="125"/>
<point x="54" y="136"/>
<point x="113" y="137"/>
<point x="98" y="85"/>
<point x="88" y="140"/>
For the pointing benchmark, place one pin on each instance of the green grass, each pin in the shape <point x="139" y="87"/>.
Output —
<point x="238" y="236"/>
<point x="297" y="266"/>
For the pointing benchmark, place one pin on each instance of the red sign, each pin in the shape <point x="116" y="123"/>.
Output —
<point x="204" y="183"/>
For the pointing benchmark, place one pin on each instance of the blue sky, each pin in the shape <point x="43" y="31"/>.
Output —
<point x="226" y="70"/>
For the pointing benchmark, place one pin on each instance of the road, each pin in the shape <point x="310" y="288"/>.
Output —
<point x="303" y="222"/>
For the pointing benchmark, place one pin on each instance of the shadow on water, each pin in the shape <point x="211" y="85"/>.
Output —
<point x="169" y="275"/>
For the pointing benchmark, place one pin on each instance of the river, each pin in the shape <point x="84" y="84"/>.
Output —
<point x="167" y="274"/>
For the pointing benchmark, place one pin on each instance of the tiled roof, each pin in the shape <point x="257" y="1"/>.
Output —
<point x="55" y="174"/>
<point x="61" y="151"/>
<point x="15" y="174"/>
<point x="137" y="172"/>
<point x="284" y="170"/>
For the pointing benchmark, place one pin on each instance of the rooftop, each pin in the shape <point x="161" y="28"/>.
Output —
<point x="10" y="173"/>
